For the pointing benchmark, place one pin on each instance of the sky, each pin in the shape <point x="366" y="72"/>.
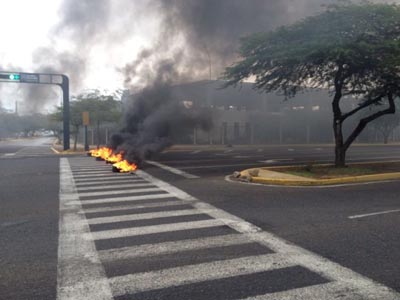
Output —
<point x="119" y="44"/>
<point x="28" y="27"/>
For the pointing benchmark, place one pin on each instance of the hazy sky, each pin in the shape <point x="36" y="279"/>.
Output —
<point x="111" y="44"/>
<point x="28" y="27"/>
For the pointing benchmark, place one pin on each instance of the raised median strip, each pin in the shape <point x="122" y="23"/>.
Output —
<point x="289" y="176"/>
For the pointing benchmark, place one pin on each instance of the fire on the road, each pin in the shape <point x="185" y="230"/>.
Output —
<point x="115" y="157"/>
<point x="102" y="152"/>
<point x="119" y="163"/>
<point x="125" y="166"/>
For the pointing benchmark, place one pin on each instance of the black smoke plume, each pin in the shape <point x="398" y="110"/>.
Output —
<point x="155" y="118"/>
<point x="198" y="39"/>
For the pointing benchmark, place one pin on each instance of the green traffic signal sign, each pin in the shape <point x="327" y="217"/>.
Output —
<point x="14" y="77"/>
<point x="11" y="76"/>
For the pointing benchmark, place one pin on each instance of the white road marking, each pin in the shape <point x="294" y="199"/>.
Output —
<point x="291" y="149"/>
<point x="115" y="186"/>
<point x="196" y="152"/>
<point x="326" y="291"/>
<point x="375" y="214"/>
<point x="159" y="279"/>
<point x="105" y="178"/>
<point x="144" y="216"/>
<point x="242" y="156"/>
<point x="9" y="154"/>
<point x="356" y="283"/>
<point x="91" y="172"/>
<point x="270" y="161"/>
<point x="346" y="282"/>
<point x="118" y="192"/>
<point x="171" y="247"/>
<point x="232" y="221"/>
<point x="172" y="170"/>
<point x="126" y="199"/>
<point x="80" y="274"/>
<point x="228" y="151"/>
<point x="135" y="231"/>
<point x="95" y="168"/>
<point x="101" y="174"/>
<point x="103" y="182"/>
<point x="131" y="206"/>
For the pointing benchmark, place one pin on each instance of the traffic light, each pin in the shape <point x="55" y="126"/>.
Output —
<point x="11" y="76"/>
<point x="14" y="77"/>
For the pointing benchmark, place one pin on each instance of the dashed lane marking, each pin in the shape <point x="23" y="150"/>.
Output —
<point x="375" y="214"/>
<point x="270" y="161"/>
<point x="172" y="170"/>
<point x="8" y="154"/>
<point x="196" y="152"/>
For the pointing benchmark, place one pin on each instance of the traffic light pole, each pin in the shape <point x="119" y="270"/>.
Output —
<point x="65" y="88"/>
<point x="44" y="78"/>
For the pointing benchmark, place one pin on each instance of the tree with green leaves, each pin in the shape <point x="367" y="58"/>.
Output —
<point x="101" y="108"/>
<point x="353" y="50"/>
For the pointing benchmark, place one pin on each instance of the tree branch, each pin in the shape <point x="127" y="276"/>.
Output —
<point x="363" y="122"/>
<point x="360" y="107"/>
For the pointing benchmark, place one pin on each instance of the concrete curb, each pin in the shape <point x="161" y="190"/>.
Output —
<point x="304" y="181"/>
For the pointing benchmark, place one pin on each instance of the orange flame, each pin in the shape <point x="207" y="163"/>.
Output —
<point x="102" y="152"/>
<point x="125" y="166"/>
<point x="115" y="158"/>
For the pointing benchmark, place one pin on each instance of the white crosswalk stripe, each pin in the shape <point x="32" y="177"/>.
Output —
<point x="119" y="192"/>
<point x="88" y="280"/>
<point x="115" y="186"/>
<point x="145" y="216"/>
<point x="125" y="232"/>
<point x="131" y="206"/>
<point x="121" y="285"/>
<point x="104" y="179"/>
<point x="171" y="247"/>
<point x="127" y="199"/>
<point x="103" y="182"/>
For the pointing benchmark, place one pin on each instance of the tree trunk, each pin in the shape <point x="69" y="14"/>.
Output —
<point x="76" y="138"/>
<point x="385" y="138"/>
<point x="340" y="156"/>
<point x="98" y="134"/>
<point x="340" y="149"/>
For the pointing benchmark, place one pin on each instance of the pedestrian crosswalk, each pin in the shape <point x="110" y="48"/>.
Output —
<point x="133" y="236"/>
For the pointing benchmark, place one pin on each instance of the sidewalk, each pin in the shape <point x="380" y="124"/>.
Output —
<point x="271" y="177"/>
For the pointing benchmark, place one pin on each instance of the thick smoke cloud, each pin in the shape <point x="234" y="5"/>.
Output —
<point x="154" y="117"/>
<point x="198" y="39"/>
<point x="83" y="23"/>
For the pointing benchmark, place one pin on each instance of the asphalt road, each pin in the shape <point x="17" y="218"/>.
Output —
<point x="29" y="187"/>
<point x="179" y="230"/>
